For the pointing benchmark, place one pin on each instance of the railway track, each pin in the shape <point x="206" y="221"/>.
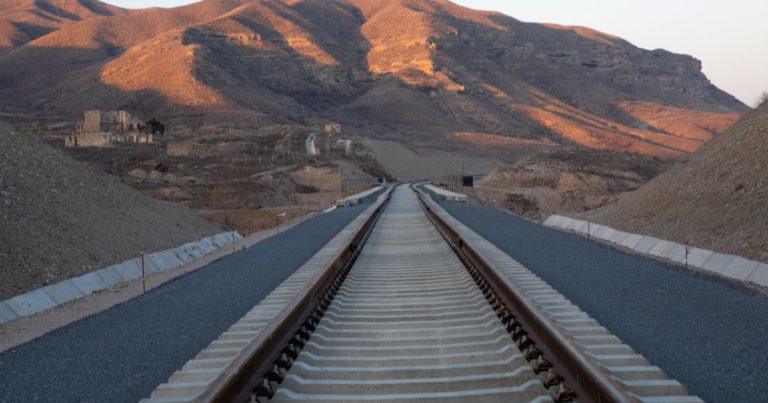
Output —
<point x="410" y="311"/>
<point x="409" y="323"/>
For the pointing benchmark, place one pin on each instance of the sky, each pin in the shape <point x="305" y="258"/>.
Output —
<point x="730" y="37"/>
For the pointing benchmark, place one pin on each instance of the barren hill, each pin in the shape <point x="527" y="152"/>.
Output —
<point x="717" y="198"/>
<point x="22" y="21"/>
<point x="60" y="219"/>
<point x="421" y="71"/>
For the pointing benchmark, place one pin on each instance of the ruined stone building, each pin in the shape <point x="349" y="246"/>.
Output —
<point x="104" y="128"/>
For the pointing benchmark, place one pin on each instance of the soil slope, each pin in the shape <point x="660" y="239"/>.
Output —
<point x="22" y="21"/>
<point x="716" y="199"/>
<point x="413" y="69"/>
<point x="60" y="218"/>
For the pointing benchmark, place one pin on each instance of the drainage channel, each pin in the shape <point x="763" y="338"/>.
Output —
<point x="409" y="324"/>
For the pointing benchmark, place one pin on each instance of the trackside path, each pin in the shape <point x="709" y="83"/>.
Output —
<point x="122" y="354"/>
<point x="709" y="334"/>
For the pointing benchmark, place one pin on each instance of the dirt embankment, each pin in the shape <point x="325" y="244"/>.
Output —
<point x="716" y="199"/>
<point x="558" y="182"/>
<point x="61" y="218"/>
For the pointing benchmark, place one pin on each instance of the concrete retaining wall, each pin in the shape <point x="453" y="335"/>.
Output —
<point x="50" y="296"/>
<point x="447" y="194"/>
<point x="731" y="266"/>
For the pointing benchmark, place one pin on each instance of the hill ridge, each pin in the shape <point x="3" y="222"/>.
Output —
<point x="427" y="68"/>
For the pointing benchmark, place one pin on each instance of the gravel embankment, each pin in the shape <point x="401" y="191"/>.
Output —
<point x="709" y="334"/>
<point x="61" y="218"/>
<point x="122" y="354"/>
<point x="715" y="199"/>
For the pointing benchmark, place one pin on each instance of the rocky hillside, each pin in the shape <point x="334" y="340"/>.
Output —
<point x="22" y="21"/>
<point x="60" y="219"/>
<point x="421" y="71"/>
<point x="564" y="184"/>
<point x="716" y="198"/>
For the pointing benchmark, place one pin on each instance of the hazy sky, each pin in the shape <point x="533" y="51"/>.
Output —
<point x="730" y="37"/>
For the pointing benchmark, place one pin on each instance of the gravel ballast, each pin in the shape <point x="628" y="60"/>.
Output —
<point x="121" y="354"/>
<point x="708" y="333"/>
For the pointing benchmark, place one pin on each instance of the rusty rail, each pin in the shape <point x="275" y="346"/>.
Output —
<point x="582" y="376"/>
<point x="238" y="381"/>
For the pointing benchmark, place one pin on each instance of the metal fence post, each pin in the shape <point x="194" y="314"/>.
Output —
<point x="143" y="278"/>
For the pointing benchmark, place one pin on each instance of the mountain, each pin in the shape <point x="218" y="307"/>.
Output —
<point x="715" y="198"/>
<point x="413" y="71"/>
<point x="22" y="21"/>
<point x="61" y="218"/>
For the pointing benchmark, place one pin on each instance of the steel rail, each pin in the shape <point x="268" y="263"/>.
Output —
<point x="239" y="379"/>
<point x="580" y="374"/>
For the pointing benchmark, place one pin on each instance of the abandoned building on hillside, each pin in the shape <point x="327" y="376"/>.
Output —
<point x="104" y="128"/>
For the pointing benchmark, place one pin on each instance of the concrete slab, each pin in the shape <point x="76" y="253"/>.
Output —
<point x="6" y="313"/>
<point x="646" y="244"/>
<point x="164" y="260"/>
<point x="575" y="224"/>
<point x="224" y="239"/>
<point x="90" y="283"/>
<point x="582" y="228"/>
<point x="676" y="253"/>
<point x="598" y="232"/>
<point x="206" y="246"/>
<point x="186" y="253"/>
<point x="631" y="241"/>
<point x="553" y="220"/>
<point x="718" y="262"/>
<point x="759" y="276"/>
<point x="30" y="303"/>
<point x="740" y="268"/>
<point x="110" y="276"/>
<point x="129" y="269"/>
<point x="607" y="233"/>
<point x="697" y="257"/>
<point x="150" y="267"/>
<point x="63" y="292"/>
<point x="565" y="222"/>
<point x="661" y="249"/>
<point x="198" y="251"/>
<point x="618" y="237"/>
<point x="217" y="240"/>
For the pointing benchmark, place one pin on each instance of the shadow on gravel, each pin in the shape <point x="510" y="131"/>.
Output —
<point x="708" y="333"/>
